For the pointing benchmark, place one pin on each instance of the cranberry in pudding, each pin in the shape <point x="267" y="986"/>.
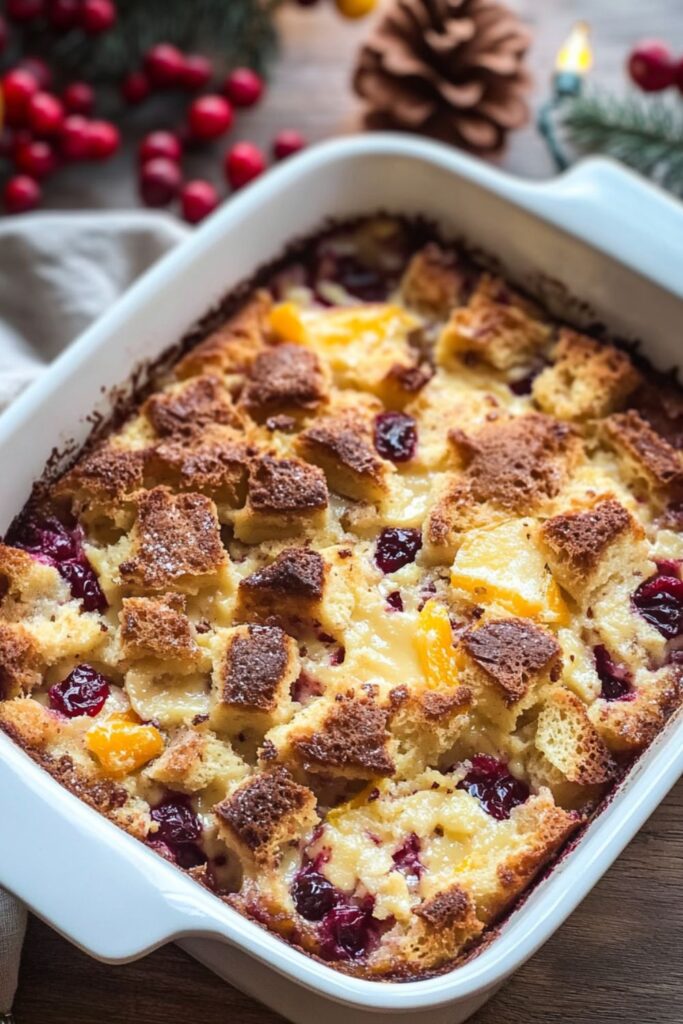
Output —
<point x="395" y="436"/>
<point x="615" y="679"/>
<point x="314" y="896"/>
<point x="397" y="546"/>
<point x="490" y="782"/>
<point x="52" y="542"/>
<point x="407" y="857"/>
<point x="349" y="931"/>
<point x="83" y="692"/>
<point x="660" y="601"/>
<point x="395" y="601"/>
<point x="179" y="829"/>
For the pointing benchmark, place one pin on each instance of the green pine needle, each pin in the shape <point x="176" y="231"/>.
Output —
<point x="236" y="32"/>
<point x="644" y="133"/>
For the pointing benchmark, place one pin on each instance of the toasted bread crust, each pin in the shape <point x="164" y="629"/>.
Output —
<point x="176" y="536"/>
<point x="353" y="736"/>
<point x="254" y="667"/>
<point x="285" y="378"/>
<point x="511" y="652"/>
<point x="156" y="627"/>
<point x="286" y="485"/>
<point x="202" y="402"/>
<point x="659" y="462"/>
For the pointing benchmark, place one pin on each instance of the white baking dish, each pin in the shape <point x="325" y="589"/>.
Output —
<point x="614" y="243"/>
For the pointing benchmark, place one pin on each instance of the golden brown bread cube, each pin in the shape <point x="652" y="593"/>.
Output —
<point x="568" y="740"/>
<point x="588" y="379"/>
<point x="191" y="406"/>
<point x="342" y="446"/>
<point x="284" y="380"/>
<point x="265" y="814"/>
<point x="289" y="587"/>
<point x="434" y="281"/>
<point x="497" y="327"/>
<point x="195" y="760"/>
<point x="651" y="465"/>
<point x="232" y="347"/>
<point x="255" y="668"/>
<point x="157" y="627"/>
<point x="284" y="497"/>
<point x="20" y="661"/>
<point x="175" y="539"/>
<point x="345" y="736"/>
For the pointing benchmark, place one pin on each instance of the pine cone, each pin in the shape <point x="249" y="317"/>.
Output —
<point x="453" y="69"/>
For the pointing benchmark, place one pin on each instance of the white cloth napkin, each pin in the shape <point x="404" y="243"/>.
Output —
<point x="57" y="273"/>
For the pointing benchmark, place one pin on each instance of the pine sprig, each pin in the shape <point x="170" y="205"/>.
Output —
<point x="234" y="31"/>
<point x="646" y="134"/>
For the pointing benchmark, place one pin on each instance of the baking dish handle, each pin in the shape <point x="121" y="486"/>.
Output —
<point x="600" y="198"/>
<point x="102" y="889"/>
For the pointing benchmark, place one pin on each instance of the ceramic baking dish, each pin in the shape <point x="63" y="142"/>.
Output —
<point x="598" y="234"/>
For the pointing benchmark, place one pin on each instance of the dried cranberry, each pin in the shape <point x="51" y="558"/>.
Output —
<point x="491" y="783"/>
<point x="306" y="686"/>
<point x="314" y="895"/>
<point x="660" y="601"/>
<point x="615" y="679"/>
<point x="407" y="857"/>
<point x="397" y="546"/>
<point x="363" y="282"/>
<point x="349" y="931"/>
<point x="395" y="436"/>
<point x="668" y="567"/>
<point x="395" y="601"/>
<point x="83" y="692"/>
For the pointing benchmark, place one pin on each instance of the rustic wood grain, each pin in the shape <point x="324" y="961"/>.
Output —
<point x="618" y="959"/>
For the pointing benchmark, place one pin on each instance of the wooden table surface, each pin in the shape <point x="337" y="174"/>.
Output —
<point x="618" y="959"/>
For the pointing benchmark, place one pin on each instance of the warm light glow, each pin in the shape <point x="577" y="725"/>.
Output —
<point x="576" y="54"/>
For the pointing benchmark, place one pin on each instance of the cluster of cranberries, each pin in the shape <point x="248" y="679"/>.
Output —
<point x="47" y="128"/>
<point x="653" y="67"/>
<point x="209" y="117"/>
<point x="61" y="546"/>
<point x="490" y="782"/>
<point x="346" y="927"/>
<point x="178" y="832"/>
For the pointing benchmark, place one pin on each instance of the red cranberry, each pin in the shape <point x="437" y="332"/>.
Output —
<point x="75" y="138"/>
<point x="287" y="143"/>
<point x="489" y="781"/>
<point x="18" y="87"/>
<point x="45" y="113"/>
<point x="407" y="857"/>
<point x="243" y="87"/>
<point x="135" y="87"/>
<point x="668" y="567"/>
<point x="104" y="139"/>
<point x="305" y="687"/>
<point x="37" y="159"/>
<point x="164" y="144"/>
<point x="164" y="64"/>
<point x="366" y="283"/>
<point x="314" y="896"/>
<point x="21" y="194"/>
<point x="651" y="66"/>
<point x="47" y="537"/>
<point x="84" y="584"/>
<point x="397" y="546"/>
<point x="25" y="10"/>
<point x="179" y="829"/>
<point x="395" y="436"/>
<point x="79" y="98"/>
<point x="679" y="75"/>
<point x="160" y="180"/>
<point x="196" y="72"/>
<point x="243" y="163"/>
<point x="63" y="14"/>
<point x="198" y="199"/>
<point x="615" y="679"/>
<point x="83" y="692"/>
<point x="395" y="601"/>
<point x="97" y="16"/>
<point x="209" y="117"/>
<point x="349" y="931"/>
<point x="39" y="69"/>
<point x="660" y="601"/>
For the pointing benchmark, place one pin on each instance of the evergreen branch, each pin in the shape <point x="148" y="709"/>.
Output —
<point x="233" y="31"/>
<point x="646" y="134"/>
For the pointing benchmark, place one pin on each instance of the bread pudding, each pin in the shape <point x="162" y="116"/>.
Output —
<point x="360" y="614"/>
